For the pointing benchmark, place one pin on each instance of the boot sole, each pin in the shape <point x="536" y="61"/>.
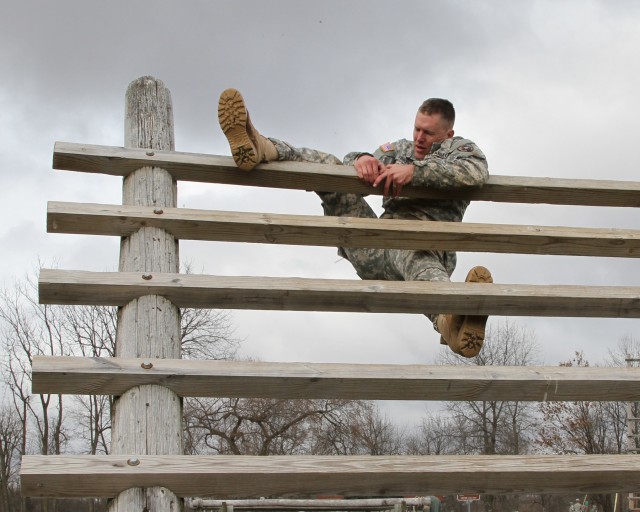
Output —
<point x="479" y="275"/>
<point x="472" y="331"/>
<point x="471" y="335"/>
<point x="233" y="118"/>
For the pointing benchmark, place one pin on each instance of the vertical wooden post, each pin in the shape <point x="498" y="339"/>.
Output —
<point x="147" y="420"/>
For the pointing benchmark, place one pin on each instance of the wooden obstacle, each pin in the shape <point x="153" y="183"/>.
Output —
<point x="255" y="379"/>
<point x="396" y="504"/>
<point x="147" y="464"/>
<point x="356" y="475"/>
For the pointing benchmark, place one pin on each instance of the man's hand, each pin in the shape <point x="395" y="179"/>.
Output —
<point x="368" y="168"/>
<point x="395" y="176"/>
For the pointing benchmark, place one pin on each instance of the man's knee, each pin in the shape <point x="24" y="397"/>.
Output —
<point x="432" y="274"/>
<point x="420" y="266"/>
<point x="367" y="262"/>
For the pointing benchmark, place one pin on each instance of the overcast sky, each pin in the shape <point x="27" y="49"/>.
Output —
<point x="545" y="88"/>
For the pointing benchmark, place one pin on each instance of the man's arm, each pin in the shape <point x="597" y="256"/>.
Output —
<point x="368" y="168"/>
<point x="367" y="165"/>
<point x="461" y="165"/>
<point x="464" y="165"/>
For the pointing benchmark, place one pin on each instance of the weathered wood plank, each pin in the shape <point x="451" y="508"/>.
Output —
<point x="298" y="294"/>
<point x="424" y="502"/>
<point x="297" y="476"/>
<point x="308" y="176"/>
<point x="253" y="379"/>
<point x="190" y="224"/>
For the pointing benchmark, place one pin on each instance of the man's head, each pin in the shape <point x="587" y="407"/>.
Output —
<point x="434" y="123"/>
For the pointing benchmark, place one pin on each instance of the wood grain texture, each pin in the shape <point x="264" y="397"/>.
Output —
<point x="253" y="379"/>
<point x="309" y="176"/>
<point x="190" y="224"/>
<point x="297" y="294"/>
<point x="423" y="502"/>
<point x="299" y="476"/>
<point x="148" y="419"/>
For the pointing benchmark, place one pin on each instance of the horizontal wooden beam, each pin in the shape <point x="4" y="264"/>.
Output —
<point x="119" y="161"/>
<point x="423" y="502"/>
<point x="297" y="476"/>
<point x="297" y="294"/>
<point x="253" y="379"/>
<point x="190" y="224"/>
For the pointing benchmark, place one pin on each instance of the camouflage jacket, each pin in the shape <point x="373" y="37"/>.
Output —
<point x="454" y="163"/>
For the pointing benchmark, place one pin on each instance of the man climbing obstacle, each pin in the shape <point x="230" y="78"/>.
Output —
<point x="435" y="158"/>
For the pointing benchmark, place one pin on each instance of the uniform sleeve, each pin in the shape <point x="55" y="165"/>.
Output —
<point x="385" y="154"/>
<point x="463" y="165"/>
<point x="350" y="158"/>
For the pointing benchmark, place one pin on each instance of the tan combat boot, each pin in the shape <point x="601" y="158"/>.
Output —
<point x="248" y="147"/>
<point x="465" y="334"/>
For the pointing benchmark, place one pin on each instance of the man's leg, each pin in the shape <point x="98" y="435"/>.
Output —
<point x="291" y="153"/>
<point x="422" y="266"/>
<point x="368" y="263"/>
<point x="471" y="334"/>
<point x="248" y="147"/>
<point x="463" y="333"/>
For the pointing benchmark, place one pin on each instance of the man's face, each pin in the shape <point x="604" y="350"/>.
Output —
<point x="427" y="130"/>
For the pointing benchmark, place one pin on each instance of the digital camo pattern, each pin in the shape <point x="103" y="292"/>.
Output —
<point x="454" y="163"/>
<point x="289" y="153"/>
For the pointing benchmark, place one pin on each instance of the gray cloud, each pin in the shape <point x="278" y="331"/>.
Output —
<point x="545" y="88"/>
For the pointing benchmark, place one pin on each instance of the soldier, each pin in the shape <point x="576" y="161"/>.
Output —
<point x="435" y="158"/>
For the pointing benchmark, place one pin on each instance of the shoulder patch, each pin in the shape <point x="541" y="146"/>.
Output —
<point x="466" y="148"/>
<point x="386" y="147"/>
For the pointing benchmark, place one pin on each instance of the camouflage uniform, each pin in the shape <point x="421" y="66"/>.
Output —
<point x="456" y="162"/>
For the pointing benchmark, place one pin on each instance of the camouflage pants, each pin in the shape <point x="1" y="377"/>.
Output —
<point x="384" y="264"/>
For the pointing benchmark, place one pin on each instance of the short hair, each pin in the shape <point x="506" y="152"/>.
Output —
<point x="439" y="106"/>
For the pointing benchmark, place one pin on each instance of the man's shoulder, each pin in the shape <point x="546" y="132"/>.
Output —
<point x="461" y="146"/>
<point x="461" y="143"/>
<point x="394" y="149"/>
<point x="397" y="146"/>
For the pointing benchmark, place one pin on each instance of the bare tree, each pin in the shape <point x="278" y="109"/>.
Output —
<point x="31" y="329"/>
<point x="281" y="427"/>
<point x="626" y="353"/>
<point x="579" y="427"/>
<point x="583" y="428"/>
<point x="434" y="436"/>
<point x="208" y="334"/>
<point x="47" y="422"/>
<point x="357" y="427"/>
<point x="10" y="443"/>
<point x="253" y="426"/>
<point x="495" y="427"/>
<point x="91" y="332"/>
<point x="627" y="350"/>
<point x="377" y="433"/>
